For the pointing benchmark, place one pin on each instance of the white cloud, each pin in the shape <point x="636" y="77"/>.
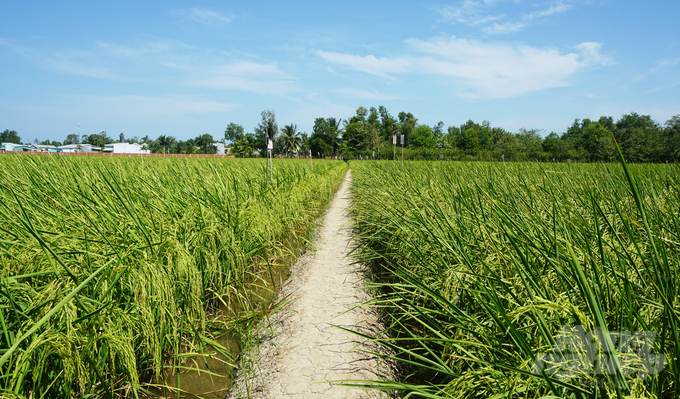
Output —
<point x="479" y="14"/>
<point x="552" y="10"/>
<point x="246" y="76"/>
<point x="163" y="62"/>
<point x="69" y="61"/>
<point x="204" y="16"/>
<point x="171" y="106"/>
<point x="483" y="70"/>
<point x="591" y="53"/>
<point x="382" y="66"/>
<point x="143" y="49"/>
<point x="470" y="13"/>
<point x="366" y="95"/>
<point x="504" y="28"/>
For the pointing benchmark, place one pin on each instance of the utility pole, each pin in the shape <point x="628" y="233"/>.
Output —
<point x="402" y="152"/>
<point x="394" y="159"/>
<point x="270" y="157"/>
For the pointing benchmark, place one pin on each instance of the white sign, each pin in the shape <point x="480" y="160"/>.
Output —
<point x="402" y="139"/>
<point x="394" y="139"/>
<point x="270" y="145"/>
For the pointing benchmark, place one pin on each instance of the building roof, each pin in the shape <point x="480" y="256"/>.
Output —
<point x="84" y="147"/>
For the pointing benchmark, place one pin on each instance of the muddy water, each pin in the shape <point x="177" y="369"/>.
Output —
<point x="210" y="374"/>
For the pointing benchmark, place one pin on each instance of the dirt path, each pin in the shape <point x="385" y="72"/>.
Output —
<point x="305" y="351"/>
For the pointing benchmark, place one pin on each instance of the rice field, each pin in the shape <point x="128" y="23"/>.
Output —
<point x="115" y="271"/>
<point x="523" y="279"/>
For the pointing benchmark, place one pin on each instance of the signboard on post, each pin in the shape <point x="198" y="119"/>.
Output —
<point x="394" y="139"/>
<point x="270" y="145"/>
<point x="402" y="139"/>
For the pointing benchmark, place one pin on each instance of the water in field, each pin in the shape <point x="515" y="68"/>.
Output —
<point x="210" y="374"/>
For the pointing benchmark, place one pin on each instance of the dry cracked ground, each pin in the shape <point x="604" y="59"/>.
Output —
<point x="301" y="351"/>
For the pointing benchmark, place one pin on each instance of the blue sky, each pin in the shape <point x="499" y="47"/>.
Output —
<point x="188" y="68"/>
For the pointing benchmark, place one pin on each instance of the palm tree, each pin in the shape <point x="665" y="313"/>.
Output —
<point x="304" y="143"/>
<point x="165" y="141"/>
<point x="335" y="131"/>
<point x="242" y="148"/>
<point x="291" y="139"/>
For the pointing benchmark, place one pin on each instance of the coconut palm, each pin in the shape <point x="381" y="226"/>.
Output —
<point x="242" y="148"/>
<point x="335" y="130"/>
<point x="291" y="139"/>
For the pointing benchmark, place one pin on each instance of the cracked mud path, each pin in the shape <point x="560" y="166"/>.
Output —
<point x="306" y="351"/>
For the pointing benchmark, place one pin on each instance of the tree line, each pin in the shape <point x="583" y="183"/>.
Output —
<point x="370" y="134"/>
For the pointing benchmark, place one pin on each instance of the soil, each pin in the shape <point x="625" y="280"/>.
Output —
<point x="301" y="351"/>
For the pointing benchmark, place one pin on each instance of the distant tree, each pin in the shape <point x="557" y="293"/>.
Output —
<point x="121" y="138"/>
<point x="184" y="147"/>
<point x="291" y="139"/>
<point x="10" y="136"/>
<point x="551" y="143"/>
<point x="243" y="147"/>
<point x="374" y="118"/>
<point x="154" y="146"/>
<point x="145" y="139"/>
<point x="304" y="143"/>
<point x="672" y="138"/>
<point x="72" y="139"/>
<point x="407" y="122"/>
<point x="266" y="129"/>
<point x="335" y="130"/>
<point x="484" y="134"/>
<point x="360" y="136"/>
<point x="205" y="143"/>
<point x="320" y="141"/>
<point x="452" y="136"/>
<point x="233" y="132"/>
<point x="388" y="125"/>
<point x="438" y="131"/>
<point x="97" y="139"/>
<point x="422" y="136"/>
<point x="468" y="140"/>
<point x="596" y="141"/>
<point x="640" y="138"/>
<point x="165" y="142"/>
<point x="530" y="142"/>
<point x="361" y="114"/>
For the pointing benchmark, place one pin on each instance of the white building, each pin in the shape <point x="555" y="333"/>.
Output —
<point x="126" y="148"/>
<point x="11" y="147"/>
<point x="221" y="150"/>
<point x="42" y="148"/>
<point x="79" y="148"/>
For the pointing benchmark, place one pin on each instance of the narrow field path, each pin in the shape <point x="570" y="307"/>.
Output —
<point x="306" y="351"/>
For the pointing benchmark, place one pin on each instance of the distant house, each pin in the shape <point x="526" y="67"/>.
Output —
<point x="221" y="148"/>
<point x="79" y="148"/>
<point x="11" y="147"/>
<point x="42" y="148"/>
<point x="125" y="148"/>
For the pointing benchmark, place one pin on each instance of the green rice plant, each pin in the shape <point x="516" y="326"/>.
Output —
<point x="114" y="272"/>
<point x="524" y="280"/>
